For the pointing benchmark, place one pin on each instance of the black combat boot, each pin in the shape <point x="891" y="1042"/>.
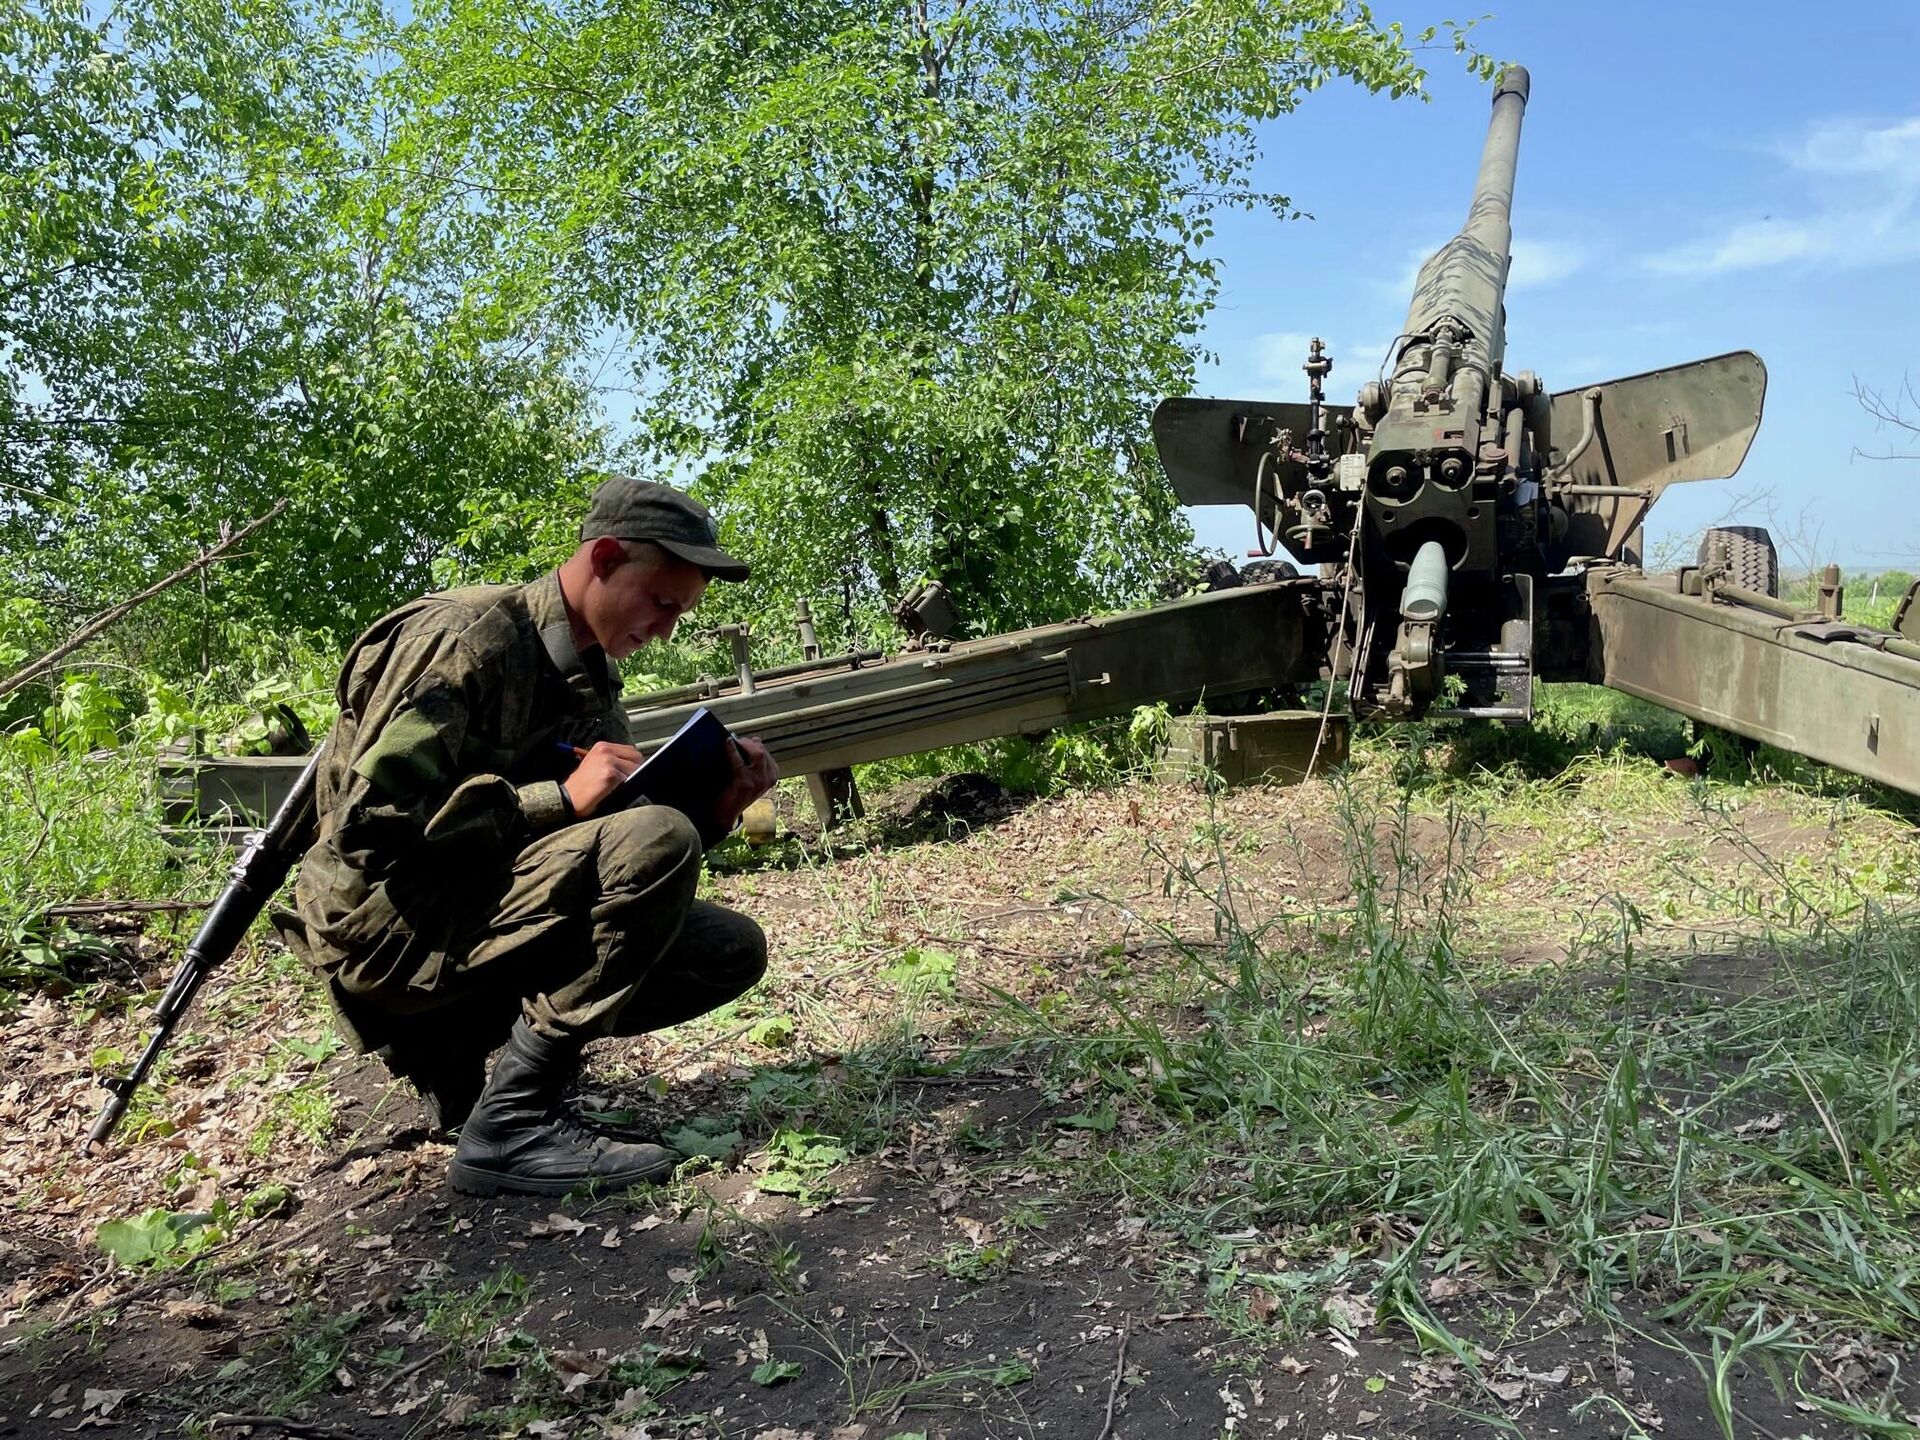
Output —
<point x="521" y="1138"/>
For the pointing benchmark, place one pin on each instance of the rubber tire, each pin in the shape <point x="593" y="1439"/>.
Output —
<point x="1752" y="562"/>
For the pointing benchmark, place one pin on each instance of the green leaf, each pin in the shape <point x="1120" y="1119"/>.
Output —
<point x="690" y="1139"/>
<point x="923" y="970"/>
<point x="157" y="1237"/>
<point x="774" y="1032"/>
<point x="269" y="1199"/>
<point x="775" y="1372"/>
<point x="1100" y="1121"/>
<point x="786" y="1182"/>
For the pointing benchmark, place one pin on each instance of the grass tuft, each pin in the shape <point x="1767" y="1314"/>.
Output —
<point x="1726" y="1142"/>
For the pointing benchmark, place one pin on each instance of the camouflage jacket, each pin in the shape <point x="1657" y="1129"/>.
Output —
<point x="446" y="760"/>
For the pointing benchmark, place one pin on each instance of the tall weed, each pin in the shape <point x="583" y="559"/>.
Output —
<point x="1738" y="1147"/>
<point x="77" y="828"/>
<point x="85" y="817"/>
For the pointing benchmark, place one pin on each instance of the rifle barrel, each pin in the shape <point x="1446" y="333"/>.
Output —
<point x="266" y="858"/>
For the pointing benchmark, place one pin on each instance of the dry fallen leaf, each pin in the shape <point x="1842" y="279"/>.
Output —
<point x="1349" y="1313"/>
<point x="577" y="1368"/>
<point x="194" y="1312"/>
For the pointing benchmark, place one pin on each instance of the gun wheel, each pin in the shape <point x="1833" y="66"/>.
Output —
<point x="1751" y="561"/>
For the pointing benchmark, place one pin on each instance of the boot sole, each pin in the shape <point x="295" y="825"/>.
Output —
<point x="478" y="1180"/>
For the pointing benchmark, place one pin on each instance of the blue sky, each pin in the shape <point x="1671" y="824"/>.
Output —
<point x="1694" y="178"/>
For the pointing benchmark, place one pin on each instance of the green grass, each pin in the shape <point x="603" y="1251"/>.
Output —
<point x="80" y="829"/>
<point x="1732" y="1140"/>
<point x="1707" y="1115"/>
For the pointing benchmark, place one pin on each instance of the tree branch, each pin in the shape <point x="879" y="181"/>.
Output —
<point x="1889" y="412"/>
<point x="107" y="617"/>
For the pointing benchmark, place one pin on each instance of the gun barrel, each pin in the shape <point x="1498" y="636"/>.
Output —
<point x="1489" y="218"/>
<point x="1456" y="323"/>
<point x="1444" y="399"/>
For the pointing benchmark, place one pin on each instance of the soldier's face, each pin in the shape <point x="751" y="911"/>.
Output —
<point x="642" y="600"/>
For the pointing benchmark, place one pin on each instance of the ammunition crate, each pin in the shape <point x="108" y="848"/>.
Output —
<point x="238" y="792"/>
<point x="1235" y="750"/>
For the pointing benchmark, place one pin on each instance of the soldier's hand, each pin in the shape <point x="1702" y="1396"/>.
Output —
<point x="599" y="773"/>
<point x="754" y="773"/>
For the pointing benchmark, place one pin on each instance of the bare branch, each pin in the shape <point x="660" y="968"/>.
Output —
<point x="1902" y="412"/>
<point x="107" y="617"/>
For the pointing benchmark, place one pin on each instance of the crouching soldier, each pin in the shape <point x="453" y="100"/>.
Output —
<point x="466" y="890"/>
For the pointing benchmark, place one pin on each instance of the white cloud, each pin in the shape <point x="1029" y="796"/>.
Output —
<point x="1855" y="202"/>
<point x="1840" y="147"/>
<point x="1543" y="262"/>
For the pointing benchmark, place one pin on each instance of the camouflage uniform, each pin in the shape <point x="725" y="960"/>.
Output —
<point x="450" y="892"/>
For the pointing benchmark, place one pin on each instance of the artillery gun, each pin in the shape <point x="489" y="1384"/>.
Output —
<point x="1479" y="531"/>
<point x="1465" y="531"/>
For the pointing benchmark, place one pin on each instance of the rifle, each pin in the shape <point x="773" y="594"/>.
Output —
<point x="266" y="857"/>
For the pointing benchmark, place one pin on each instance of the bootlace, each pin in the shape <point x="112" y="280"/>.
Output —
<point x="578" y="1132"/>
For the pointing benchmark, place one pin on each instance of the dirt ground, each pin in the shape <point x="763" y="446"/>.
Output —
<point x="961" y="1277"/>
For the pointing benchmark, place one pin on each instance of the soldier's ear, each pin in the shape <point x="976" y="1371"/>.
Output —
<point x="607" y="555"/>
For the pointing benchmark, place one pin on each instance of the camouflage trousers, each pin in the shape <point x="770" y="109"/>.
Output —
<point x="597" y="933"/>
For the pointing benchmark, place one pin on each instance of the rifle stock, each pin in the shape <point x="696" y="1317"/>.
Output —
<point x="265" y="859"/>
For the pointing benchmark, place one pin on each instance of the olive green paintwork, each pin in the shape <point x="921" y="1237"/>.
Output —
<point x="1254" y="638"/>
<point x="1830" y="691"/>
<point x="1665" y="427"/>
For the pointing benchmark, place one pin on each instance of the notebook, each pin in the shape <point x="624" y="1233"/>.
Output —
<point x="688" y="773"/>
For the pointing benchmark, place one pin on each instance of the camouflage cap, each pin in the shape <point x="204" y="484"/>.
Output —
<point x="629" y="509"/>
